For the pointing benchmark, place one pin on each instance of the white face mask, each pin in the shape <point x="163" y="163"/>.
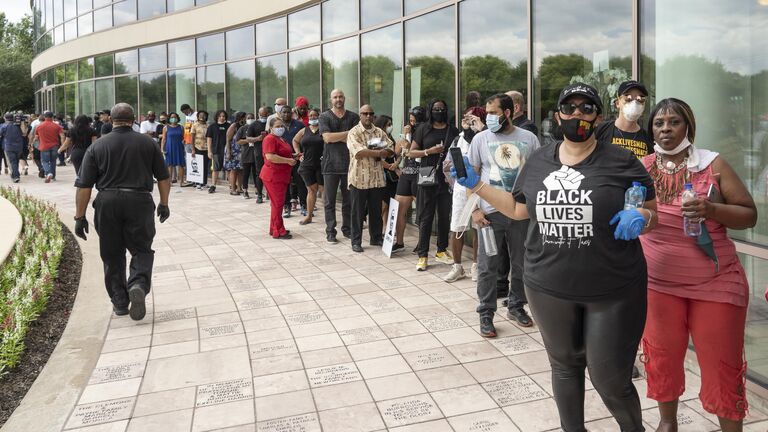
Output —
<point x="278" y="131"/>
<point x="278" y="109"/>
<point x="249" y="121"/>
<point x="684" y="144"/>
<point x="408" y="137"/>
<point x="632" y="111"/>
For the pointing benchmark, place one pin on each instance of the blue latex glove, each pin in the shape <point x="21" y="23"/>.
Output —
<point x="471" y="180"/>
<point x="631" y="223"/>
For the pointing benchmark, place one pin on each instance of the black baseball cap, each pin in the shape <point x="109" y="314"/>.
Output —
<point x="48" y="114"/>
<point x="631" y="84"/>
<point x="581" y="89"/>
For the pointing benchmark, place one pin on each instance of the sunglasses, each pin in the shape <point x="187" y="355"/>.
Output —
<point x="584" y="108"/>
<point x="367" y="114"/>
<point x="630" y="98"/>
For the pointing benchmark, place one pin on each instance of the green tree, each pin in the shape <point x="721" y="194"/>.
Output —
<point x="16" y="51"/>
<point x="437" y="80"/>
<point x="490" y="74"/>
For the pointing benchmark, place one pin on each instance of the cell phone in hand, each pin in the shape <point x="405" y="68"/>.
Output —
<point x="458" y="162"/>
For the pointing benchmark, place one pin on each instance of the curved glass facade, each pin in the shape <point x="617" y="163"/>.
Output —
<point x="395" y="54"/>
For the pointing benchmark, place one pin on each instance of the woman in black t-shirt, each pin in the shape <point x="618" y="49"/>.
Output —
<point x="430" y="143"/>
<point x="585" y="281"/>
<point x="308" y="143"/>
<point x="79" y="138"/>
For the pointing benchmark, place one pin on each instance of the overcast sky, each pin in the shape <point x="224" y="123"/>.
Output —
<point x="15" y="9"/>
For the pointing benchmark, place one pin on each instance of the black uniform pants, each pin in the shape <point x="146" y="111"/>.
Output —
<point x="248" y="169"/>
<point x="332" y="183"/>
<point x="600" y="335"/>
<point x="125" y="221"/>
<point x="366" y="201"/>
<point x="431" y="199"/>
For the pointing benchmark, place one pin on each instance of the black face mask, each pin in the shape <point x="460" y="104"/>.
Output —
<point x="469" y="134"/>
<point x="439" y="116"/>
<point x="577" y="130"/>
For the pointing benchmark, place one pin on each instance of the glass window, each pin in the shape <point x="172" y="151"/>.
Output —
<point x="105" y="94"/>
<point x="304" y="75"/>
<point x="756" y="270"/>
<point x="412" y="6"/>
<point x="100" y="3"/>
<point x="604" y="62"/>
<point x="732" y="68"/>
<point x="150" y="8"/>
<point x="58" y="18"/>
<point x="210" y="88"/>
<point x="60" y="100"/>
<point x="271" y="79"/>
<point x="85" y="24"/>
<point x="86" y="98"/>
<point x="210" y="49"/>
<point x="70" y="72"/>
<point x="126" y="62"/>
<point x="493" y="50"/>
<point x="152" y="93"/>
<point x="84" y="6"/>
<point x="49" y="14"/>
<point x="339" y="17"/>
<point x="85" y="68"/>
<point x="204" y="2"/>
<point x="181" y="88"/>
<point x="175" y="5"/>
<point x="340" y="62"/>
<point x="381" y="73"/>
<point x="240" y="43"/>
<point x="126" y="90"/>
<point x="304" y="27"/>
<point x="104" y="66"/>
<point x="61" y="76"/>
<point x="58" y="35"/>
<point x="430" y="72"/>
<point x="124" y="12"/>
<point x="271" y="36"/>
<point x="240" y="86"/>
<point x="152" y="58"/>
<point x="181" y="53"/>
<point x="378" y="11"/>
<point x="70" y="9"/>
<point x="70" y="30"/>
<point x="70" y="99"/>
<point x="102" y="18"/>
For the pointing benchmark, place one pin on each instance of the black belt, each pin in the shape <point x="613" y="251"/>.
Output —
<point x="125" y="190"/>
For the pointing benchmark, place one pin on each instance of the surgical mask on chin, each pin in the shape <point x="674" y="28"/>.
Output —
<point x="494" y="122"/>
<point x="684" y="144"/>
<point x="278" y="131"/>
<point x="577" y="130"/>
<point x="632" y="111"/>
<point x="249" y="121"/>
<point x="314" y="122"/>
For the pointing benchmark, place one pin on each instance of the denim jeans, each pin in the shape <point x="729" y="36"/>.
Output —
<point x="13" y="161"/>
<point x="49" y="161"/>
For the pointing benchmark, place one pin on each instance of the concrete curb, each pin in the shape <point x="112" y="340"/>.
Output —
<point x="11" y="221"/>
<point x="55" y="392"/>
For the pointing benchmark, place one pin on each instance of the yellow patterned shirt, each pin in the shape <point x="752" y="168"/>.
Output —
<point x="368" y="172"/>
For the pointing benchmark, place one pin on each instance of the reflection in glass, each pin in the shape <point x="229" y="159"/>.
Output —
<point x="339" y="17"/>
<point x="102" y="18"/>
<point x="58" y="18"/>
<point x="70" y="30"/>
<point x="270" y="79"/>
<point x="70" y="99"/>
<point x="601" y="55"/>
<point x="105" y="94"/>
<point x="85" y="24"/>
<point x="181" y="53"/>
<point x="240" y="43"/>
<point x="70" y="72"/>
<point x="304" y="75"/>
<point x="85" y="68"/>
<point x="85" y="98"/>
<point x="175" y="5"/>
<point x="210" y="88"/>
<point x="240" y="86"/>
<point x="150" y="8"/>
<point x="126" y="62"/>
<point x="124" y="12"/>
<point x="304" y="27"/>
<point x="756" y="270"/>
<point x="84" y="6"/>
<point x="58" y="35"/>
<point x="152" y="58"/>
<point x="340" y="62"/>
<point x="430" y="70"/>
<point x="70" y="9"/>
<point x="104" y="66"/>
<point x="271" y="36"/>
<point x="210" y="49"/>
<point x="412" y="6"/>
<point x="181" y="89"/>
<point x="381" y="73"/>
<point x="373" y="12"/>
<point x="493" y="48"/>
<point x="151" y="93"/>
<point x="59" y="103"/>
<point x="100" y="3"/>
<point x="61" y="76"/>
<point x="126" y="90"/>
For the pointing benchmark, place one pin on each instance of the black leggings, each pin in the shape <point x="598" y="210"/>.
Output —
<point x="602" y="336"/>
<point x="431" y="200"/>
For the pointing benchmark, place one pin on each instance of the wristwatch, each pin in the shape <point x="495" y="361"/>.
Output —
<point x="79" y="218"/>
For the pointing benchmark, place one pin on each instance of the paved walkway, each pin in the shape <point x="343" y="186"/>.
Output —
<point x="248" y="333"/>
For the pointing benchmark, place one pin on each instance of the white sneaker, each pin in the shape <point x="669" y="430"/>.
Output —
<point x="456" y="273"/>
<point x="473" y="272"/>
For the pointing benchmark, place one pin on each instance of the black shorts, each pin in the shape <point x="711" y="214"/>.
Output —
<point x="218" y="162"/>
<point x="407" y="185"/>
<point x="311" y="175"/>
<point x="390" y="190"/>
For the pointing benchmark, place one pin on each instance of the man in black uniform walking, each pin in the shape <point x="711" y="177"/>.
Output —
<point x="121" y="166"/>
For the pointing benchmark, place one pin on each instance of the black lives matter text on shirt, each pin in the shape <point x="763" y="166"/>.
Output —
<point x="639" y="143"/>
<point x="336" y="154"/>
<point x="122" y="159"/>
<point x="571" y="252"/>
<point x="217" y="132"/>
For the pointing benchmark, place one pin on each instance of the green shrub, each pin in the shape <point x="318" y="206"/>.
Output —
<point x="27" y="276"/>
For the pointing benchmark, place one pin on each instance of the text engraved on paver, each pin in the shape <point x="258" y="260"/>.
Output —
<point x="515" y="390"/>
<point x="174" y="314"/>
<point x="221" y="330"/>
<point x="409" y="411"/>
<point x="361" y="335"/>
<point x="335" y="374"/>
<point x="269" y="349"/>
<point x="441" y="323"/>
<point x="300" y="423"/>
<point x="516" y="345"/>
<point x="101" y="412"/>
<point x="225" y="391"/>
<point x="256" y="303"/>
<point x="117" y="372"/>
<point x="305" y="317"/>
<point x="485" y="426"/>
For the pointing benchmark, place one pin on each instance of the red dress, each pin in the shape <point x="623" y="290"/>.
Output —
<point x="276" y="177"/>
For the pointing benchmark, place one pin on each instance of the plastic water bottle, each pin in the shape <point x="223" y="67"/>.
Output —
<point x="690" y="227"/>
<point x="634" y="197"/>
<point x="489" y="241"/>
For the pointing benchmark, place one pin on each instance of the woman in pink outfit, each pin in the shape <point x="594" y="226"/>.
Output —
<point x="693" y="289"/>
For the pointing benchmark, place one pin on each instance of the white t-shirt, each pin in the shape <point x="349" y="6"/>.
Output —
<point x="147" y="127"/>
<point x="500" y="157"/>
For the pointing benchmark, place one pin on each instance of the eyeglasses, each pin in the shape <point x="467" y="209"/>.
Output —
<point x="584" y="108"/>
<point x="367" y="114"/>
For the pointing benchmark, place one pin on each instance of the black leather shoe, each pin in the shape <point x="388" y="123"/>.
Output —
<point x="487" y="329"/>
<point x="120" y="310"/>
<point x="137" y="309"/>
<point x="331" y="238"/>
<point x="379" y="243"/>
<point x="357" y="248"/>
<point x="346" y="234"/>
<point x="520" y="316"/>
<point x="286" y="236"/>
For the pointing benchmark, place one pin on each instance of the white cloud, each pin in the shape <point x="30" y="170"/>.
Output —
<point x="15" y="9"/>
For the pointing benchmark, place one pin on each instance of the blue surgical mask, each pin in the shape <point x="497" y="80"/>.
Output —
<point x="314" y="122"/>
<point x="263" y="119"/>
<point x="493" y="123"/>
<point x="278" y="131"/>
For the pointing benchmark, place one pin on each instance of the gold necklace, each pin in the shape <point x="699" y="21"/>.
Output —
<point x="669" y="167"/>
